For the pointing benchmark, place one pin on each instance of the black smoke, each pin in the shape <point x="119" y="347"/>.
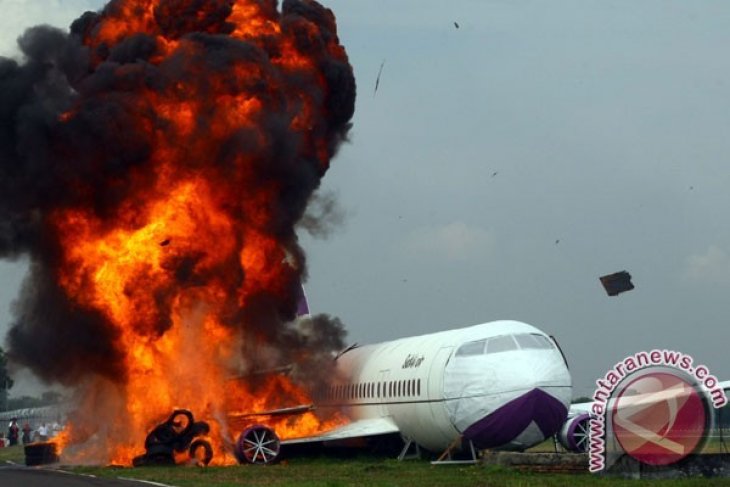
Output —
<point x="75" y="133"/>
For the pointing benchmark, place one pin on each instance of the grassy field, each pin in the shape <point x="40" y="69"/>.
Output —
<point x="368" y="471"/>
<point x="14" y="454"/>
<point x="358" y="471"/>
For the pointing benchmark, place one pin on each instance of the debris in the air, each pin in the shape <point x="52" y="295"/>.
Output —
<point x="495" y="173"/>
<point x="617" y="283"/>
<point x="456" y="24"/>
<point x="377" y="80"/>
<point x="557" y="241"/>
<point x="165" y="242"/>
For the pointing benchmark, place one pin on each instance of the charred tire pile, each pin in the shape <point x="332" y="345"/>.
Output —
<point x="176" y="435"/>
<point x="40" y="454"/>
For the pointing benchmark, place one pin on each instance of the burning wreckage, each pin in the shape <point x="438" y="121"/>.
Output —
<point x="177" y="434"/>
<point x="257" y="444"/>
<point x="156" y="161"/>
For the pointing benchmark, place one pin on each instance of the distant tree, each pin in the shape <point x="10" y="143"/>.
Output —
<point x="24" y="402"/>
<point x="6" y="383"/>
<point x="51" y="397"/>
<point x="48" y="398"/>
<point x="581" y="399"/>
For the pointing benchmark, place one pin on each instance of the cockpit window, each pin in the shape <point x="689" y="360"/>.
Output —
<point x="505" y="343"/>
<point x="533" y="341"/>
<point x="501" y="344"/>
<point x="471" y="348"/>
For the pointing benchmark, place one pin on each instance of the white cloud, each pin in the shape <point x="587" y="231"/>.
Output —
<point x="711" y="266"/>
<point x="454" y="241"/>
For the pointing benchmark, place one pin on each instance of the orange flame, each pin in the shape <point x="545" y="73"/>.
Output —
<point x="162" y="267"/>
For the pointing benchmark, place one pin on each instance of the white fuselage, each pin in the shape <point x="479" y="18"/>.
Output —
<point x="500" y="384"/>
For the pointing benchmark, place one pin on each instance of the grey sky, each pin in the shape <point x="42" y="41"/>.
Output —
<point x="606" y="123"/>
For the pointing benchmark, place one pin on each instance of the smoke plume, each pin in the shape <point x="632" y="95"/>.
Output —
<point x="154" y="163"/>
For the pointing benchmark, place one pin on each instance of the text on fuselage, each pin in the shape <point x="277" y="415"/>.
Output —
<point x="412" y="361"/>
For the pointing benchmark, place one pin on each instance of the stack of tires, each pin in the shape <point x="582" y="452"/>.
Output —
<point x="177" y="434"/>
<point x="41" y="454"/>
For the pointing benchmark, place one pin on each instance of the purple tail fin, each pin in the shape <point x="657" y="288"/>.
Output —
<point x="302" y="305"/>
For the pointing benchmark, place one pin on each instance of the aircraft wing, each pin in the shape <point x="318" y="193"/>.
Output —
<point x="580" y="408"/>
<point x="356" y="429"/>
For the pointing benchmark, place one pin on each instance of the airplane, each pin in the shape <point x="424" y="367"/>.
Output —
<point x="574" y="435"/>
<point x="503" y="384"/>
<point x="498" y="385"/>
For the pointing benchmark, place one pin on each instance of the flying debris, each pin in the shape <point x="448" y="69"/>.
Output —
<point x="617" y="283"/>
<point x="495" y="173"/>
<point x="557" y="241"/>
<point x="456" y="24"/>
<point x="165" y="242"/>
<point x="377" y="80"/>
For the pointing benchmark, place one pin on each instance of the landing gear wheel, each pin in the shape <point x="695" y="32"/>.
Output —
<point x="258" y="445"/>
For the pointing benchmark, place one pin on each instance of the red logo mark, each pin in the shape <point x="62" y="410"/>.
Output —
<point x="659" y="418"/>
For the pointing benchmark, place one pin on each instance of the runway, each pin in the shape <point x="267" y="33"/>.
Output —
<point x="12" y="476"/>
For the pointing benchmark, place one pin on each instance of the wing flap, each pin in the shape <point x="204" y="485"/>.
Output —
<point x="356" y="429"/>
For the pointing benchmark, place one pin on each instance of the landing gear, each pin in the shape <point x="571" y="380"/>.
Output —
<point x="258" y="445"/>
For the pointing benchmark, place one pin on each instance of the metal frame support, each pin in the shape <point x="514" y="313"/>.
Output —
<point x="404" y="455"/>
<point x="446" y="459"/>
<point x="473" y="451"/>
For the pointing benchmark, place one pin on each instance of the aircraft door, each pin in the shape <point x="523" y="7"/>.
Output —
<point x="444" y="430"/>
<point x="436" y="374"/>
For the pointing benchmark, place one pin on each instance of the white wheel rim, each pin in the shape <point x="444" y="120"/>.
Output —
<point x="260" y="447"/>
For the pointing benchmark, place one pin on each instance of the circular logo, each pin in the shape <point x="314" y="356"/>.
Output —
<point x="659" y="418"/>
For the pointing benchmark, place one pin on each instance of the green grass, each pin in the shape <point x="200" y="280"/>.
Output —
<point x="367" y="471"/>
<point x="14" y="454"/>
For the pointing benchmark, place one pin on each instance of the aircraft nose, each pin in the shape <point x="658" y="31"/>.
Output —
<point x="519" y="399"/>
<point x="527" y="419"/>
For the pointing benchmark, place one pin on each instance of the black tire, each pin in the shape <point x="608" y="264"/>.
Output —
<point x="207" y="451"/>
<point x="40" y="454"/>
<point x="258" y="445"/>
<point x="159" y="450"/>
<point x="176" y="417"/>
<point x="182" y="443"/>
<point x="162" y="434"/>
<point x="139" y="461"/>
<point x="160" y="459"/>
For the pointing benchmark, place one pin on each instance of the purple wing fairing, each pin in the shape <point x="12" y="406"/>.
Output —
<point x="577" y="433"/>
<point x="302" y="304"/>
<point x="509" y="421"/>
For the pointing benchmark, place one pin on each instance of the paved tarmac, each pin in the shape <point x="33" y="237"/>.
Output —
<point x="12" y="476"/>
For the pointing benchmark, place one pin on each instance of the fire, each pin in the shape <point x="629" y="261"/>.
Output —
<point x="176" y="237"/>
